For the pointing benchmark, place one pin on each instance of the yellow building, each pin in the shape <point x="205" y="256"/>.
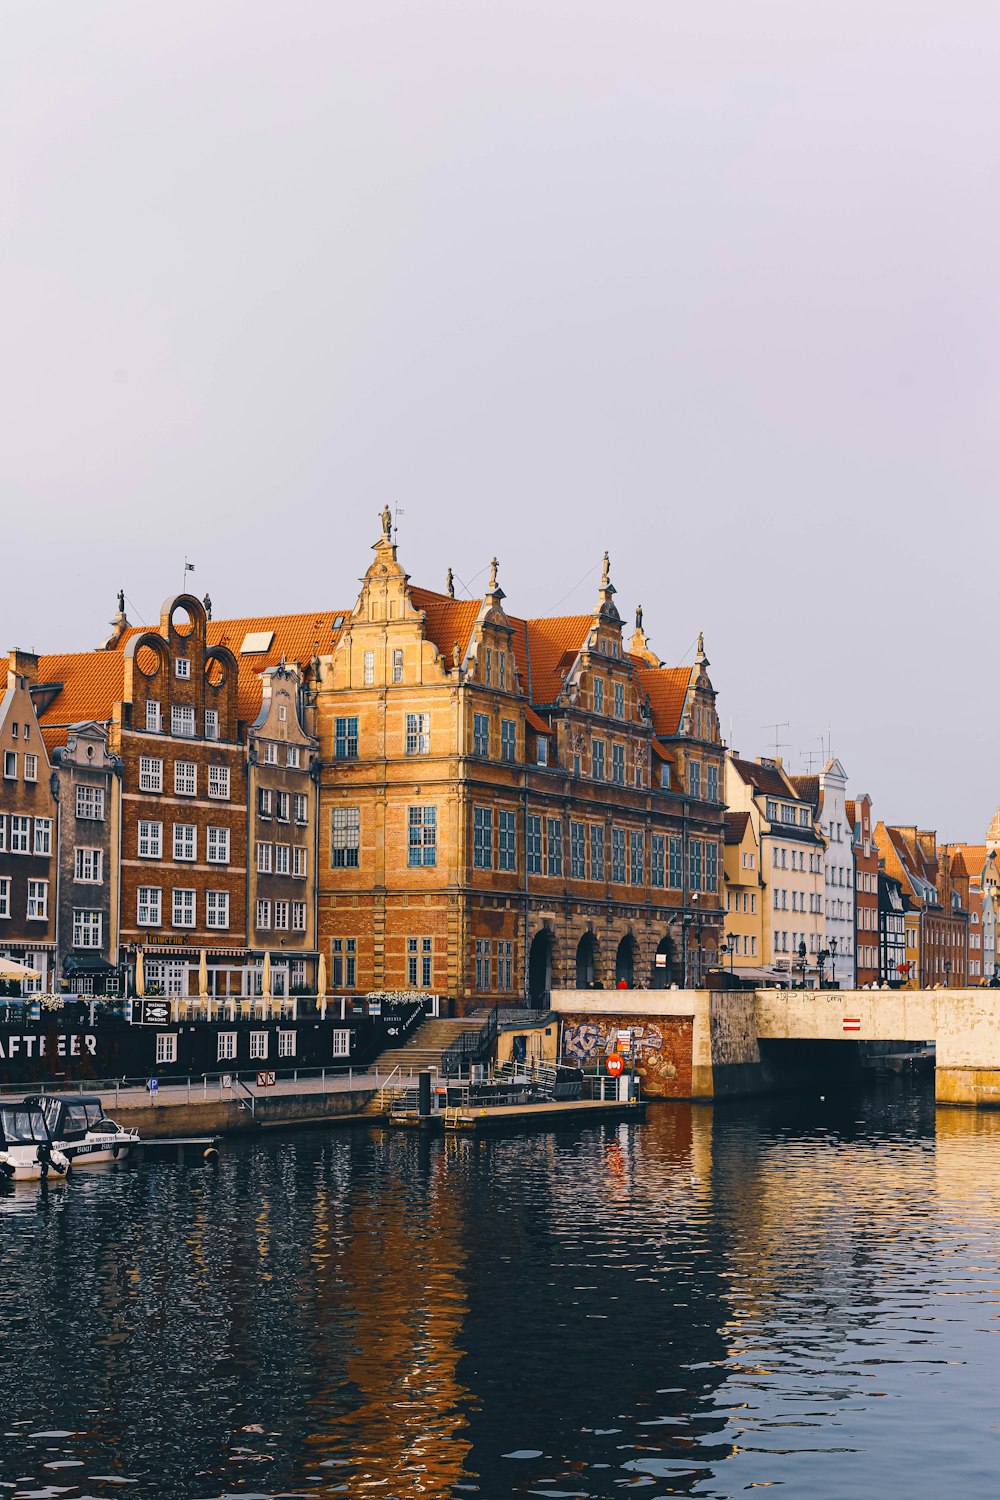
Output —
<point x="744" y="930"/>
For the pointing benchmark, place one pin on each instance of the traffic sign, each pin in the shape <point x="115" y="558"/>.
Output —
<point x="615" y="1064"/>
<point x="266" y="1080"/>
<point x="227" y="1080"/>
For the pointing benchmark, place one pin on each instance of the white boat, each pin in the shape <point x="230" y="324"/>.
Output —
<point x="78" y="1128"/>
<point x="27" y="1151"/>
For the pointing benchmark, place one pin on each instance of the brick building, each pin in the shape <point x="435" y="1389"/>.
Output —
<point x="866" y="894"/>
<point x="935" y="920"/>
<point x="966" y="864"/>
<point x="88" y="783"/>
<point x="28" y="829"/>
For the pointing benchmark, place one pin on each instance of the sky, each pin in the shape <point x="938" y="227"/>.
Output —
<point x="711" y="285"/>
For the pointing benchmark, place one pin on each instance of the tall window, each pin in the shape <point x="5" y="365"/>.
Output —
<point x="5" y="897"/>
<point x="618" y="764"/>
<point x="422" y="829"/>
<point x="658" y="873"/>
<point x="281" y="859"/>
<point x="282" y="807"/>
<point x="10" y="765"/>
<point x="418" y="734"/>
<point x="182" y="720"/>
<point x="507" y="841"/>
<point x="419" y="963"/>
<point x="90" y="802"/>
<point x="344" y="967"/>
<point x="298" y="916"/>
<point x="20" y="834"/>
<point x="87" y="865"/>
<point x="694" y="865"/>
<point x="502" y="665"/>
<point x="597" y="759"/>
<point x="598" y="695"/>
<point x="712" y="779"/>
<point x="211" y="723"/>
<point x="578" y="851"/>
<point x="286" y="1043"/>
<point x="258" y="1046"/>
<point x="533" y="844"/>
<point x="184" y="908"/>
<point x="489" y="666"/>
<point x="345" y="738"/>
<point x="301" y="803"/>
<point x="618" y="855"/>
<point x="166" y="1047"/>
<point x="481" y="734"/>
<point x="281" y="915"/>
<point x="263" y="915"/>
<point x="3" y="831"/>
<point x="676" y="863"/>
<point x="505" y="961"/>
<point x="185" y="778"/>
<point x="150" y="774"/>
<point x="153" y="721"/>
<point x="345" y="838"/>
<point x="619" y="700"/>
<point x="88" y="927"/>
<point x="596" y="851"/>
<point x="38" y="900"/>
<point x="292" y="756"/>
<point x="216" y="908"/>
<point x="43" y="835"/>
<point x="636" y="856"/>
<point x="397" y="666"/>
<point x="369" y="668"/>
<point x="185" y="841"/>
<point x="508" y="739"/>
<point x="218" y="782"/>
<point x="300" y="861"/>
<point x="30" y="767"/>
<point x="149" y="906"/>
<point x="217" y="846"/>
<point x="482" y="963"/>
<point x="482" y="851"/>
<point x="694" y="778"/>
<point x="555" y="848"/>
<point x="265" y="857"/>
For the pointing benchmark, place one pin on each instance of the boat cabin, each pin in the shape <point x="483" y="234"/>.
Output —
<point x="68" y="1116"/>
<point x="23" y="1125"/>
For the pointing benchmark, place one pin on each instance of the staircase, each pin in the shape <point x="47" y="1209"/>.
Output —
<point x="422" y="1053"/>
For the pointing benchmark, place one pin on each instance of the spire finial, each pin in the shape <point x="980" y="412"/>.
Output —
<point x="450" y="584"/>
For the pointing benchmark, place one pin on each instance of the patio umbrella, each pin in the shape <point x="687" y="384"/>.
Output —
<point x="140" y="975"/>
<point x="321" y="985"/>
<point x="265" y="978"/>
<point x="10" y="969"/>
<point x="203" y="975"/>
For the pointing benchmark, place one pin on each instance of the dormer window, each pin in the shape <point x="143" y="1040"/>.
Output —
<point x="543" y="750"/>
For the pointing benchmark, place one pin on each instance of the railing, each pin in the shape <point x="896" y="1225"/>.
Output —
<point x="470" y="1045"/>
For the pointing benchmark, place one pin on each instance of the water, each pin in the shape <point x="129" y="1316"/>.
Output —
<point x="788" y="1294"/>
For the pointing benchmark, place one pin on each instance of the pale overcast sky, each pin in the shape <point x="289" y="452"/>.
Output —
<point x="713" y="285"/>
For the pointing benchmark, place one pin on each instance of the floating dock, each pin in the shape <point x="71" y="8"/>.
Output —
<point x="497" y="1117"/>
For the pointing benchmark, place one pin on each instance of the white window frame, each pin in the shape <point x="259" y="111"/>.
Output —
<point x="216" y="845"/>
<point x="150" y="899"/>
<point x="186" y="842"/>
<point x="287" y="1043"/>
<point x="150" y="834"/>
<point x="20" y="834"/>
<point x="258" y="1046"/>
<point x="218" y="783"/>
<point x="166" y="1047"/>
<point x="211" y="723"/>
<point x="88" y="927"/>
<point x="341" y="1043"/>
<point x="38" y="901"/>
<point x="30" y="767"/>
<point x="183" y="723"/>
<point x="88" y="865"/>
<point x="217" y="909"/>
<point x="150" y="773"/>
<point x="182" y="668"/>
<point x="300" y="861"/>
<point x="185" y="778"/>
<point x="182" y="908"/>
<point x="225" y="1047"/>
<point x="43" y="836"/>
<point x="90" y="803"/>
<point x="154" y="719"/>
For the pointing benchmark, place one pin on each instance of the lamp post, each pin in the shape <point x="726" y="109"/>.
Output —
<point x="821" y="959"/>
<point x="833" y="963"/>
<point x="729" y="945"/>
<point x="947" y="973"/>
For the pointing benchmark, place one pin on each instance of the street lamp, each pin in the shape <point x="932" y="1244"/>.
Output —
<point x="947" y="973"/>
<point x="833" y="963"/>
<point x="729" y="945"/>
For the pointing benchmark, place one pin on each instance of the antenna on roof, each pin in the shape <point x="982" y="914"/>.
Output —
<point x="778" y="744"/>
<point x="810" y="756"/>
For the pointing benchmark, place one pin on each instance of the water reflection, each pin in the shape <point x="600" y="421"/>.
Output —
<point x="795" y="1294"/>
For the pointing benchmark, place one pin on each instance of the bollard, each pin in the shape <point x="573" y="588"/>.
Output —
<point x="423" y="1094"/>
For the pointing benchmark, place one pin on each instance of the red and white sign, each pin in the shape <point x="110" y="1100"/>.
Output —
<point x="266" y="1080"/>
<point x="852" y="1023"/>
<point x="615" y="1064"/>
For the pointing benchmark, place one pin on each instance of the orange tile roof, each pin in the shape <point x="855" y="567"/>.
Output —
<point x="535" y="722"/>
<point x="662" y="752"/>
<point x="92" y="685"/>
<point x="448" y="620"/>
<point x="550" y="650"/>
<point x="807" y="788"/>
<point x="851" y="811"/>
<point x="967" y="859"/>
<point x="667" y="688"/>
<point x="736" y="826"/>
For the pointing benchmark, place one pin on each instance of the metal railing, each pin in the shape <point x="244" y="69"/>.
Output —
<point x="470" y="1045"/>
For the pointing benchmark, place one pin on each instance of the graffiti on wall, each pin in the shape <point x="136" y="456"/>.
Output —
<point x="650" y="1048"/>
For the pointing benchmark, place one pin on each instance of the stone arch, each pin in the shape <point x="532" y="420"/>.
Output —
<point x="540" y="956"/>
<point x="625" y="961"/>
<point x="586" y="961"/>
<point x="665" y="972"/>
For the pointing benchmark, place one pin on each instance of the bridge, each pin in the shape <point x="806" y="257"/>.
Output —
<point x="706" y="1044"/>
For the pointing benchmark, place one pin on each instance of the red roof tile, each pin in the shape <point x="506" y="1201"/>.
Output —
<point x="736" y="827"/>
<point x="448" y="620"/>
<point x="667" y="688"/>
<point x="92" y="685"/>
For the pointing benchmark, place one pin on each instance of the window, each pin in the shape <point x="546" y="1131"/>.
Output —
<point x="418" y="734"/>
<point x="369" y="669"/>
<point x="10" y="765"/>
<point x="772" y="810"/>
<point x="578" y="851"/>
<point x="507" y="840"/>
<point x="38" y="900"/>
<point x="218" y="783"/>
<point x="345" y="739"/>
<point x="542" y="750"/>
<point x="804" y="819"/>
<point x="216" y="908"/>
<point x="482" y="855"/>
<point x="281" y="916"/>
<point x="211" y="724"/>
<point x="341" y="1044"/>
<point x="676" y="851"/>
<point x="298" y="916"/>
<point x="258" y="1046"/>
<point x="264" y="858"/>
<point x="618" y="764"/>
<point x="619" y="700"/>
<point x="480" y="734"/>
<point x="184" y="908"/>
<point x="286" y="1043"/>
<point x="4" y="897"/>
<point x="3" y="831"/>
<point x="226" y="1049"/>
<point x="712" y="778"/>
<point x="149" y="906"/>
<point x="263" y="915"/>
<point x="182" y="667"/>
<point x="87" y="866"/>
<point x="397" y="666"/>
<point x="596" y="852"/>
<point x="182" y="720"/>
<point x="345" y="838"/>
<point x="658" y="850"/>
<point x="555" y="854"/>
<point x="43" y="835"/>
<point x="422" y="830"/>
<point x="300" y="861"/>
<point x="345" y="963"/>
<point x="282" y="807"/>
<point x="185" y="841"/>
<point x="217" y="846"/>
<point x="711" y="867"/>
<point x="292" y="757"/>
<point x="598" y="695"/>
<point x="166" y="1046"/>
<point x="502" y="661"/>
<point x="489" y="666"/>
<point x="154" y="723"/>
<point x="265" y="802"/>
<point x="281" y="859"/>
<point x="533" y="844"/>
<point x="694" y="778"/>
<point x="482" y="963"/>
<point x="20" y="834"/>
<point x="88" y="927"/>
<point x="637" y="856"/>
<point x="597" y="759"/>
<point x="301" y="804"/>
<point x="185" y="778"/>
<point x="90" y="803"/>
<point x="505" y="961"/>
<point x="508" y="739"/>
<point x="419" y="956"/>
<point x="31" y="768"/>
<point x="150" y="774"/>
<point x="618" y="855"/>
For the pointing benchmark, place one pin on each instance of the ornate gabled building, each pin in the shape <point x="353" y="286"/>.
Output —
<point x="866" y="890"/>
<point x="936" y="922"/>
<point x="512" y="804"/>
<point x="827" y="794"/>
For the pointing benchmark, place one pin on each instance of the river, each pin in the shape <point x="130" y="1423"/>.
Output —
<point x="793" y="1293"/>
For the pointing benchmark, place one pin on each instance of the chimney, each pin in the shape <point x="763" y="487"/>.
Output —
<point x="24" y="664"/>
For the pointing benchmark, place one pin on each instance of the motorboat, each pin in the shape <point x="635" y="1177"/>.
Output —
<point x="78" y="1127"/>
<point x="27" y="1151"/>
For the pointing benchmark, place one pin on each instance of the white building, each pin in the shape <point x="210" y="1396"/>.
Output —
<point x="828" y="794"/>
